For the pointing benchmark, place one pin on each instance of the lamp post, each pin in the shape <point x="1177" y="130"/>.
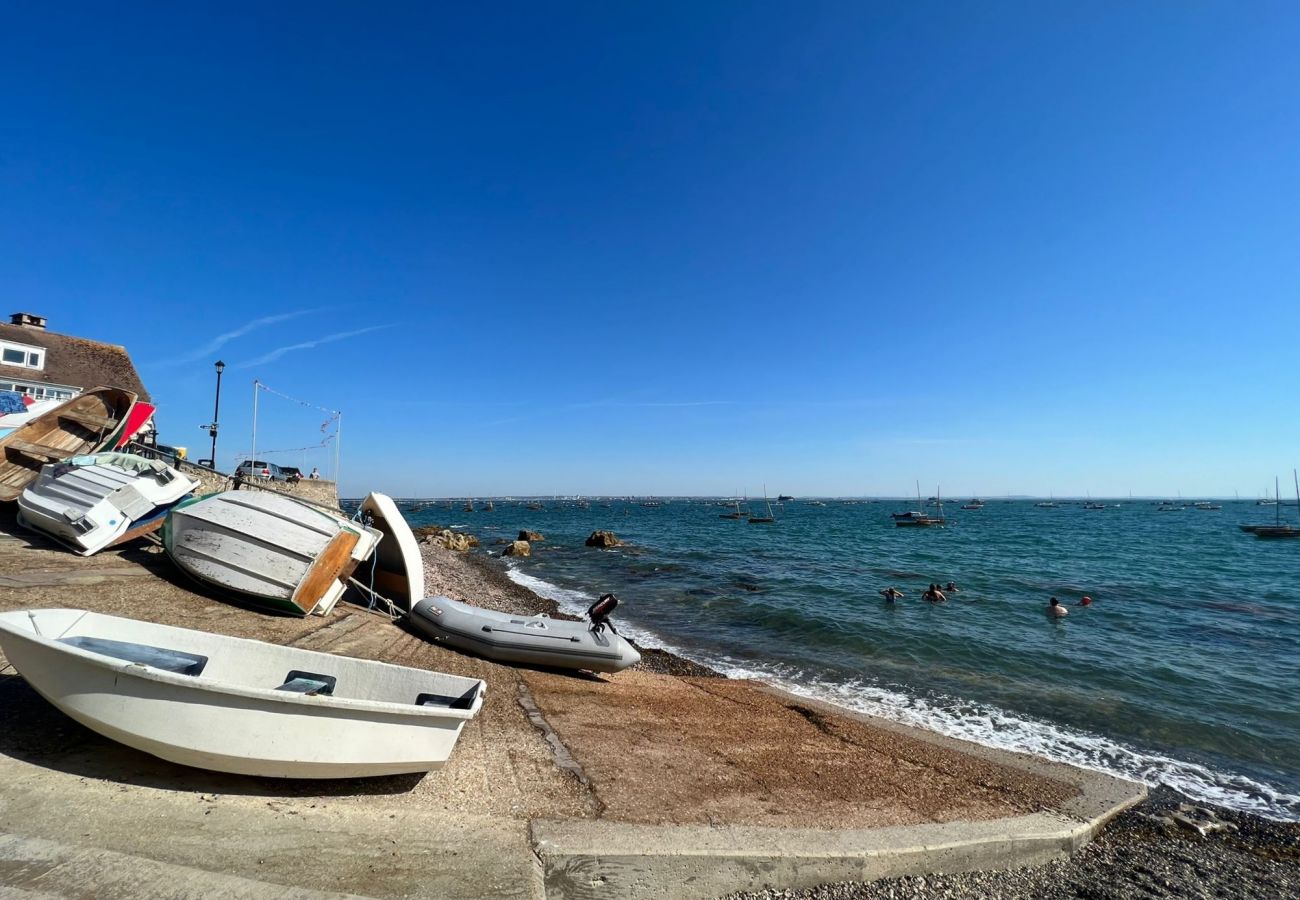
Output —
<point x="216" y="416"/>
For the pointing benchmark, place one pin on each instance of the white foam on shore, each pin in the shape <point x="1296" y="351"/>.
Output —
<point x="978" y="723"/>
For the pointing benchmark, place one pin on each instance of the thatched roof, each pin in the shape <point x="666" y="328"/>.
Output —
<point x="73" y="361"/>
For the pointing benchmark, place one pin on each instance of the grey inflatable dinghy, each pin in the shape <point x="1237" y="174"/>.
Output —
<point x="532" y="640"/>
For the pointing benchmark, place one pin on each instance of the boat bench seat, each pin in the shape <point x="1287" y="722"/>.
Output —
<point x="156" y="657"/>
<point x="308" y="683"/>
<point x="89" y="419"/>
<point x="464" y="701"/>
<point x="32" y="449"/>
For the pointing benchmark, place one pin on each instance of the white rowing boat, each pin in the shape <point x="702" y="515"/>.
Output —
<point x="235" y="705"/>
<point x="92" y="502"/>
<point x="398" y="566"/>
<point x="271" y="550"/>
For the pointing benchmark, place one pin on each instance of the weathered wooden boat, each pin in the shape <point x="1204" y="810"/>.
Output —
<point x="530" y="640"/>
<point x="270" y="550"/>
<point x="398" y="566"/>
<point x="92" y="502"/>
<point x="235" y="705"/>
<point x="87" y="423"/>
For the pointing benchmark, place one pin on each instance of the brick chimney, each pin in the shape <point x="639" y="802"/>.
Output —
<point x="27" y="320"/>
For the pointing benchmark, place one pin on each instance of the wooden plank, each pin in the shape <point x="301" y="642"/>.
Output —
<point x="325" y="570"/>
<point x="90" y="420"/>
<point x="36" y="449"/>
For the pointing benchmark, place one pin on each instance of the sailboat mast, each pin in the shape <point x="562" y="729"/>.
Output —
<point x="1277" y="512"/>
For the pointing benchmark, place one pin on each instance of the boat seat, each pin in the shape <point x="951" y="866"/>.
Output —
<point x="35" y="449"/>
<point x="310" y="683"/>
<point x="464" y="701"/>
<point x="156" y="657"/>
<point x="90" y="420"/>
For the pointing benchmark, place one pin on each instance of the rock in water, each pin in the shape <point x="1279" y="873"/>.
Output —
<point x="518" y="548"/>
<point x="604" y="540"/>
<point x="525" y="535"/>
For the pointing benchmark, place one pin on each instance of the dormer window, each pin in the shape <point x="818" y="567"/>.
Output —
<point x="21" y="355"/>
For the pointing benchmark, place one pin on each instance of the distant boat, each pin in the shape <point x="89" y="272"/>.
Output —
<point x="88" y="423"/>
<point x="268" y="549"/>
<point x="734" y="514"/>
<point x="101" y="500"/>
<point x="235" y="705"/>
<point x="767" y="519"/>
<point x="469" y="506"/>
<point x="1206" y="505"/>
<point x="1278" y="530"/>
<point x="915" y="519"/>
<point x="974" y="504"/>
<point x="782" y="498"/>
<point x="1049" y="503"/>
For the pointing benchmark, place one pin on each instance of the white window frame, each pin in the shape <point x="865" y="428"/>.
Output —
<point x="28" y="352"/>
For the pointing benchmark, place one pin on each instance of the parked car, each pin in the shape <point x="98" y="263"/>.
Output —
<point x="292" y="474"/>
<point x="251" y="469"/>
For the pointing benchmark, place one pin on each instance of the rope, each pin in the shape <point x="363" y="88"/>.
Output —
<point x="334" y="413"/>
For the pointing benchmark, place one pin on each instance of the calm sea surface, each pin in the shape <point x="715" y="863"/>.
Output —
<point x="1186" y="670"/>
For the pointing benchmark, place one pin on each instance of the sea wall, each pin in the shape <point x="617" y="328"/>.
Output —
<point x="319" y="491"/>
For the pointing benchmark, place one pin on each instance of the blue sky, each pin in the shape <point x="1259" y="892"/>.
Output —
<point x="680" y="248"/>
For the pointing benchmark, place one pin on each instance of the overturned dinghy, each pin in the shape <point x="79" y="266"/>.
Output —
<point x="398" y="566"/>
<point x="235" y="705"/>
<point x="271" y="550"/>
<point x="92" y="502"/>
<point x="531" y="640"/>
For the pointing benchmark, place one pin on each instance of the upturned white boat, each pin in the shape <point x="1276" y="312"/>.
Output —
<point x="235" y="705"/>
<point x="271" y="550"/>
<point x="398" y="566"/>
<point x="92" y="502"/>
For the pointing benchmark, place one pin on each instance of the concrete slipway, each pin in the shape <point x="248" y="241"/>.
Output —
<point x="534" y="802"/>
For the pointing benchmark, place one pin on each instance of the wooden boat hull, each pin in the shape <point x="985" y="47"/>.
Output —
<point x="101" y="503"/>
<point x="528" y="640"/>
<point x="270" y="550"/>
<point x="230" y="716"/>
<point x="88" y="423"/>
<point x="398" y="566"/>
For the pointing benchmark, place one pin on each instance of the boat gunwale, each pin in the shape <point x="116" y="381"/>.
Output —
<point x="211" y="685"/>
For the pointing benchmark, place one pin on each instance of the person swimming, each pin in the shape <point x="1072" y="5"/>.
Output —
<point x="952" y="588"/>
<point x="892" y="594"/>
<point x="1086" y="601"/>
<point x="1055" y="609"/>
<point x="933" y="594"/>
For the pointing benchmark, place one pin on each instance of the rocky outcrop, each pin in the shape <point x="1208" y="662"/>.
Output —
<point x="603" y="540"/>
<point x="452" y="540"/>
<point x="525" y="535"/>
<point x="518" y="548"/>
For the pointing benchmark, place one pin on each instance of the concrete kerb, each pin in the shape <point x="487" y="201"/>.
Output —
<point x="590" y="859"/>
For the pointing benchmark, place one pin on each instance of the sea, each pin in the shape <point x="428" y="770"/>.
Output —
<point x="1185" y="670"/>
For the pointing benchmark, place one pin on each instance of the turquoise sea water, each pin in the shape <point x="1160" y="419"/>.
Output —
<point x="1186" y="670"/>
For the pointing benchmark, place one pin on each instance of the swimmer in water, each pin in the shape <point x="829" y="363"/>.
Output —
<point x="891" y="594"/>
<point x="1086" y="601"/>
<point x="934" y="595"/>
<point x="1055" y="609"/>
<point x="952" y="588"/>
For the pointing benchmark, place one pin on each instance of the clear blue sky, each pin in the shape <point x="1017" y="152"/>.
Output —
<point x="681" y="248"/>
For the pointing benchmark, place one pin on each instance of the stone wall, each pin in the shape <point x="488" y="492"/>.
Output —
<point x="321" y="492"/>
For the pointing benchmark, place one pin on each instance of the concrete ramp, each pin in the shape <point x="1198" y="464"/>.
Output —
<point x="32" y="868"/>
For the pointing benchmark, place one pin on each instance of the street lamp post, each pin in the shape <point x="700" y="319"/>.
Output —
<point x="216" y="416"/>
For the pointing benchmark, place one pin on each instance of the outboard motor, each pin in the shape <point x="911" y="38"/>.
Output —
<point x="599" y="612"/>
